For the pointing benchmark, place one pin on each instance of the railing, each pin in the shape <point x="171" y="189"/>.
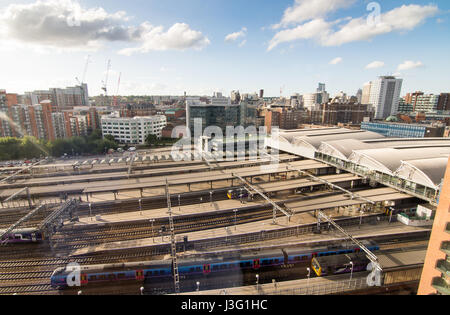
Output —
<point x="441" y="286"/>
<point x="419" y="191"/>
<point x="325" y="289"/>
<point x="444" y="267"/>
<point x="446" y="247"/>
<point x="22" y="204"/>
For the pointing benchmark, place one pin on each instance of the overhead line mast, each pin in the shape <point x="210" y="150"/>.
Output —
<point x="176" y="275"/>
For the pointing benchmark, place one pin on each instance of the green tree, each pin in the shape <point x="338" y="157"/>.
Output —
<point x="151" y="140"/>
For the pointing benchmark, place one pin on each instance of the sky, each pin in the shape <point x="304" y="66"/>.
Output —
<point x="202" y="46"/>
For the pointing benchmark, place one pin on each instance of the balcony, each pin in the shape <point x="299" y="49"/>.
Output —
<point x="441" y="286"/>
<point x="444" y="267"/>
<point x="446" y="248"/>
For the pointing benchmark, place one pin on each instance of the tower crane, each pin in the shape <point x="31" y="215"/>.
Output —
<point x="105" y="83"/>
<point x="117" y="91"/>
<point x="88" y="60"/>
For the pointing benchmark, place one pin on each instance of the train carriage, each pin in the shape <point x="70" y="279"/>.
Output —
<point x="201" y="266"/>
<point x="30" y="235"/>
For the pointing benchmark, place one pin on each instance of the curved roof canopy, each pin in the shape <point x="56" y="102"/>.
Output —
<point x="426" y="172"/>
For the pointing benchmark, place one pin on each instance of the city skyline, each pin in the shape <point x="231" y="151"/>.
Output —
<point x="166" y="48"/>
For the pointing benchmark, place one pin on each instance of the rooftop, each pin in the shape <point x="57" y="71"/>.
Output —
<point x="420" y="161"/>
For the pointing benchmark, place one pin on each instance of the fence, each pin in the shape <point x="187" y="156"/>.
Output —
<point x="23" y="204"/>
<point x="281" y="233"/>
<point x="334" y="287"/>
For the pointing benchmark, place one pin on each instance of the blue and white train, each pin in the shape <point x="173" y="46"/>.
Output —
<point x="198" y="266"/>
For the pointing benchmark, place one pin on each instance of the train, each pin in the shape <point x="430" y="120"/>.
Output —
<point x="340" y="264"/>
<point x="30" y="235"/>
<point x="196" y="266"/>
<point x="237" y="193"/>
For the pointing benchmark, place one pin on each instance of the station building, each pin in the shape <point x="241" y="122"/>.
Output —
<point x="415" y="166"/>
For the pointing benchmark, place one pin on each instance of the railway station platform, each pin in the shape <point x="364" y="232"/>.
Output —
<point x="260" y="232"/>
<point x="163" y="169"/>
<point x="313" y="286"/>
<point x="186" y="179"/>
<point x="216" y="207"/>
<point x="400" y="266"/>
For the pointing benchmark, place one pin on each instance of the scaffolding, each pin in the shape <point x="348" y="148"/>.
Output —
<point x="55" y="220"/>
<point x="173" y="244"/>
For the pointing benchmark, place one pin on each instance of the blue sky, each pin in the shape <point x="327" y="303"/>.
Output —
<point x="285" y="43"/>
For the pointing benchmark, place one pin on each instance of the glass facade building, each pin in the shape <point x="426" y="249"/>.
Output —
<point x="393" y="130"/>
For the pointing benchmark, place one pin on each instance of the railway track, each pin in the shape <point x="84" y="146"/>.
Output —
<point x="27" y="288"/>
<point x="11" y="278"/>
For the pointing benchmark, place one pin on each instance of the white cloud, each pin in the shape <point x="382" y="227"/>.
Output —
<point x="243" y="43"/>
<point x="403" y="18"/>
<point x="306" y="31"/>
<point x="336" y="60"/>
<point x="408" y="65"/>
<point x="304" y="10"/>
<point x="178" y="37"/>
<point x="375" y="65"/>
<point x="236" y="35"/>
<point x="66" y="25"/>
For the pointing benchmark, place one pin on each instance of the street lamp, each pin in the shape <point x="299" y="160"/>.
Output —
<point x="360" y="217"/>
<point x="390" y="216"/>
<point x="140" y="206"/>
<point x="351" y="273"/>
<point x="257" y="282"/>
<point x="142" y="290"/>
<point x="153" y="234"/>
<point x="210" y="197"/>
<point x="235" y="218"/>
<point x="198" y="286"/>
<point x="90" y="210"/>
<point x="309" y="276"/>
<point x="179" y="203"/>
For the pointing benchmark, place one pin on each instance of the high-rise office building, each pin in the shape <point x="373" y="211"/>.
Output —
<point x="435" y="275"/>
<point x="365" y="97"/>
<point x="359" y="96"/>
<point x="444" y="102"/>
<point x="309" y="100"/>
<point x="384" y="96"/>
<point x="321" y="88"/>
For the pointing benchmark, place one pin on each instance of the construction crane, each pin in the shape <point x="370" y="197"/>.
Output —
<point x="88" y="60"/>
<point x="117" y="91"/>
<point x="105" y="83"/>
